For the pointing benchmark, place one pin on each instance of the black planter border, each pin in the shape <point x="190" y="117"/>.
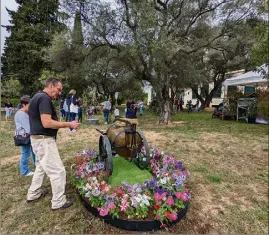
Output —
<point x="132" y="225"/>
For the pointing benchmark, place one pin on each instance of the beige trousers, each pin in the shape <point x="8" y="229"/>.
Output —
<point x="48" y="162"/>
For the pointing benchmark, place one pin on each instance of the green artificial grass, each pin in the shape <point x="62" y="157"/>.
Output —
<point x="124" y="170"/>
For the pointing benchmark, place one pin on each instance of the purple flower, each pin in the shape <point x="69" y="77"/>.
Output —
<point x="151" y="183"/>
<point x="159" y="190"/>
<point x="157" y="156"/>
<point x="177" y="184"/>
<point x="88" y="167"/>
<point x="178" y="165"/>
<point x="100" y="165"/>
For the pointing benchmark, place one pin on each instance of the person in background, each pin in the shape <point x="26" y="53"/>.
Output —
<point x="79" y="112"/>
<point x="8" y="109"/>
<point x="189" y="105"/>
<point x="175" y="104"/>
<point x="116" y="112"/>
<point x="72" y="101"/>
<point x="23" y="126"/>
<point x="106" y="110"/>
<point x="141" y="106"/>
<point x="66" y="110"/>
<point x="44" y="126"/>
<point x="181" y="103"/>
<point x="131" y="112"/>
<point x="62" y="108"/>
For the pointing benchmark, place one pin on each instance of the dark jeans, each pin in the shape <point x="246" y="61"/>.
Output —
<point x="67" y="116"/>
<point x="106" y="115"/>
<point x="62" y="113"/>
<point x="72" y="117"/>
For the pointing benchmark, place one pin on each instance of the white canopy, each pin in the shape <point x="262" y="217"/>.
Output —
<point x="250" y="78"/>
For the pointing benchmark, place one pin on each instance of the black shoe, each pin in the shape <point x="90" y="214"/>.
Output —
<point x="67" y="204"/>
<point x="44" y="192"/>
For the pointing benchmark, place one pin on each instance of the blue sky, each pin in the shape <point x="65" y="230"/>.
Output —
<point x="11" y="5"/>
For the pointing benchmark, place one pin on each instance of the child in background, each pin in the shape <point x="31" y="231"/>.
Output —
<point x="116" y="112"/>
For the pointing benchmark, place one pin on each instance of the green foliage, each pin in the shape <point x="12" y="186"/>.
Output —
<point x="154" y="106"/>
<point x="31" y="29"/>
<point x="171" y="45"/>
<point x="11" y="88"/>
<point x="66" y="57"/>
<point x="215" y="178"/>
<point x="132" y="91"/>
<point x="263" y="104"/>
<point x="231" y="109"/>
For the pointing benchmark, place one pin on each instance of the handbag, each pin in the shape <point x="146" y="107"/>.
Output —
<point x="23" y="139"/>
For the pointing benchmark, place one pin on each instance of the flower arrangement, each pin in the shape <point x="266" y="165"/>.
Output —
<point x="160" y="198"/>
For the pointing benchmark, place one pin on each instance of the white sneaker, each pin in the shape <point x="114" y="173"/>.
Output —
<point x="30" y="173"/>
<point x="74" y="130"/>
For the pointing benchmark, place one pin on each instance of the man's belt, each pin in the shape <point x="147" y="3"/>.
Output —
<point x="38" y="137"/>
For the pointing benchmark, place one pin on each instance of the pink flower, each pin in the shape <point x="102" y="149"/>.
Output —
<point x="184" y="197"/>
<point x="173" y="216"/>
<point x="103" y="183"/>
<point x="158" y="216"/>
<point x="111" y="205"/>
<point x="181" y="196"/>
<point x="178" y="195"/>
<point x="158" y="196"/>
<point x="103" y="211"/>
<point x="124" y="206"/>
<point x="170" y="201"/>
<point x="107" y="189"/>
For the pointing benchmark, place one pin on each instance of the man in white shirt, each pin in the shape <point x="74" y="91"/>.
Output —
<point x="106" y="110"/>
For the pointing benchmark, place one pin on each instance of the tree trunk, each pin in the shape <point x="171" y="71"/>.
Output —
<point x="164" y="105"/>
<point x="206" y="102"/>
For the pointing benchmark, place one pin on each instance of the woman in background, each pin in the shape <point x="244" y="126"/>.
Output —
<point x="23" y="126"/>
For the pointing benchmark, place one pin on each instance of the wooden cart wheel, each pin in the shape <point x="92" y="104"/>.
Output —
<point x="146" y="146"/>
<point x="105" y="153"/>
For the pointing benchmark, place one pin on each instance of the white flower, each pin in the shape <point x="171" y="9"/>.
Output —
<point x="145" y="199"/>
<point x="88" y="194"/>
<point x="94" y="178"/>
<point x="88" y="187"/>
<point x="163" y="181"/>
<point x="144" y="159"/>
<point x="142" y="200"/>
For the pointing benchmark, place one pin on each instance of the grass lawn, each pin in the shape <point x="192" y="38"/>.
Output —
<point x="228" y="162"/>
<point x="125" y="170"/>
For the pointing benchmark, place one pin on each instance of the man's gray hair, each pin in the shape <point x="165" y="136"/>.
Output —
<point x="53" y="81"/>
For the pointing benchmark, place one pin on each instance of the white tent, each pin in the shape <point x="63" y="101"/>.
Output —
<point x="251" y="78"/>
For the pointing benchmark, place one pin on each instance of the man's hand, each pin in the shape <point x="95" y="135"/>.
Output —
<point x="74" y="124"/>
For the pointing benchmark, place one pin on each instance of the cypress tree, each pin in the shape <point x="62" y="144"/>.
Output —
<point x="31" y="30"/>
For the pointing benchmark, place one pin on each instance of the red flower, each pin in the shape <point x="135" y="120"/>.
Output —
<point x="156" y="206"/>
<point x="170" y="216"/>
